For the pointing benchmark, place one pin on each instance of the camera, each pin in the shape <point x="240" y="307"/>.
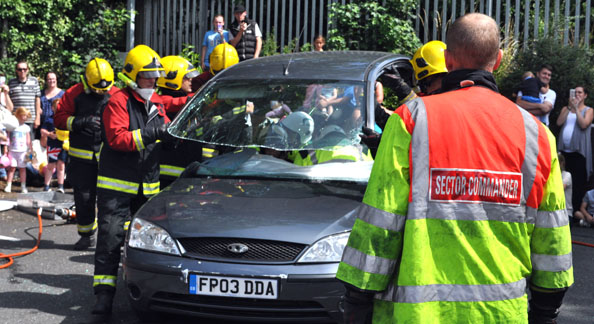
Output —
<point x="2" y="80"/>
<point x="572" y="93"/>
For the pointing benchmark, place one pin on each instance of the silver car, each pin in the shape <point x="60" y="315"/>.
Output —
<point x="256" y="232"/>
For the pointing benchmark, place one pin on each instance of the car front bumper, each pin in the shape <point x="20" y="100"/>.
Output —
<point x="307" y="292"/>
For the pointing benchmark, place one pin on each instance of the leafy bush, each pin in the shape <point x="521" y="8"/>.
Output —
<point x="367" y="25"/>
<point x="189" y="53"/>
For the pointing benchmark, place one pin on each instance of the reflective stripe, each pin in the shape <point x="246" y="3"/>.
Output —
<point x="104" y="280"/>
<point x="419" y="177"/>
<point x="117" y="185"/>
<point x="368" y="263"/>
<point x="216" y="119"/>
<point x="199" y="131"/>
<point x="87" y="228"/>
<point x="151" y="188"/>
<point x="137" y="136"/>
<point x="553" y="263"/>
<point x="380" y="218"/>
<point x="126" y="225"/>
<point x="454" y="293"/>
<point x="80" y="153"/>
<point x="531" y="152"/>
<point x="171" y="170"/>
<point x="552" y="219"/>
<point x="238" y="110"/>
<point x="209" y="152"/>
<point x="69" y="122"/>
<point x="475" y="212"/>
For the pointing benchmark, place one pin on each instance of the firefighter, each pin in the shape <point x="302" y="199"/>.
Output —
<point x="176" y="82"/>
<point x="79" y="111"/>
<point x="429" y="67"/>
<point x="464" y="207"/>
<point x="134" y="120"/>
<point x="222" y="57"/>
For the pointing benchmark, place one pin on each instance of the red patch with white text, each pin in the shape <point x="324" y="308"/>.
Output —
<point x="475" y="186"/>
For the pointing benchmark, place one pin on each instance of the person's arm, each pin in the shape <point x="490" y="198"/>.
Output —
<point x="586" y="120"/>
<point x="37" y="112"/>
<point x="379" y="92"/>
<point x="202" y="58"/>
<point x="537" y="109"/>
<point x="258" y="47"/>
<point x="8" y="101"/>
<point x="237" y="38"/>
<point x="64" y="115"/>
<point x="550" y="246"/>
<point x="562" y="116"/>
<point x="583" y="208"/>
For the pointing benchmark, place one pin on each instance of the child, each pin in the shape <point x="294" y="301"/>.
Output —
<point x="55" y="154"/>
<point x="584" y="215"/>
<point x="531" y="88"/>
<point x="20" y="144"/>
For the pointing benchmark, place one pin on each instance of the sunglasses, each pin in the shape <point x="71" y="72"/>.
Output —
<point x="21" y="69"/>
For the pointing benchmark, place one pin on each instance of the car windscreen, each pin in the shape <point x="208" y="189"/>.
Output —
<point x="300" y="122"/>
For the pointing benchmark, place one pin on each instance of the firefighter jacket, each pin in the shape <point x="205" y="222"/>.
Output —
<point x="76" y="102"/>
<point x="127" y="163"/>
<point x="345" y="151"/>
<point x="464" y="208"/>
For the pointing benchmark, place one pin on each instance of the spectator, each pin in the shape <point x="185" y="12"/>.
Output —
<point x="5" y="101"/>
<point x="567" y="186"/>
<point x="541" y="110"/>
<point x="319" y="43"/>
<point x="56" y="155"/>
<point x="584" y="214"/>
<point x="20" y="144"/>
<point x="575" y="142"/>
<point x="212" y="38"/>
<point x="531" y="88"/>
<point x="247" y="37"/>
<point x="25" y="92"/>
<point x="50" y="93"/>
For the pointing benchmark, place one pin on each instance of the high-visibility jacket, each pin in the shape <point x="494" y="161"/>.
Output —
<point x="346" y="153"/>
<point x="84" y="144"/>
<point x="127" y="164"/>
<point x="464" y="207"/>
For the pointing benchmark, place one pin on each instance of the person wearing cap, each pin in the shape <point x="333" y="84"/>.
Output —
<point x="79" y="112"/>
<point x="247" y="36"/>
<point x="133" y="128"/>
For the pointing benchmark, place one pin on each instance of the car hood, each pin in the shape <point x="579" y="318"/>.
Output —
<point x="282" y="210"/>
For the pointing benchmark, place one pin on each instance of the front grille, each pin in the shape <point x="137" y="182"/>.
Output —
<point x="258" y="250"/>
<point x="242" y="309"/>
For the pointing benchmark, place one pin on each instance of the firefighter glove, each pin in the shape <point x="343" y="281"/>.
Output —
<point x="152" y="134"/>
<point x="544" y="305"/>
<point x="372" y="139"/>
<point x="87" y="123"/>
<point x="358" y="306"/>
<point x="401" y="89"/>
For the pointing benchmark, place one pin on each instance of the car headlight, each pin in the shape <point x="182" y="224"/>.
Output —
<point x="148" y="236"/>
<point x="328" y="249"/>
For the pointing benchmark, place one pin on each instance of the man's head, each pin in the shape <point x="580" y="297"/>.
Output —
<point x="22" y="69"/>
<point x="143" y="65"/>
<point x="222" y="56"/>
<point x="240" y="13"/>
<point x="99" y="75"/>
<point x="217" y="21"/>
<point x="473" y="43"/>
<point x="545" y="73"/>
<point x="178" y="74"/>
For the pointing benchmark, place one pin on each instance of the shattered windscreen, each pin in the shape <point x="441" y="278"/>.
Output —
<point x="302" y="123"/>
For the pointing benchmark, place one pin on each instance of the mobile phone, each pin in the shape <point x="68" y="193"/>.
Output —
<point x="571" y="93"/>
<point x="2" y="80"/>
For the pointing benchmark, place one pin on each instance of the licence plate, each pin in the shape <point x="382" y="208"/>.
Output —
<point x="233" y="286"/>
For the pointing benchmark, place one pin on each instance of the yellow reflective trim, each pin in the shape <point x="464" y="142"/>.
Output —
<point x="151" y="188"/>
<point x="87" y="228"/>
<point x="126" y="225"/>
<point x="117" y="185"/>
<point x="137" y="136"/>
<point x="80" y="153"/>
<point x="69" y="122"/>
<point x="104" y="280"/>
<point x="238" y="110"/>
<point x="216" y="119"/>
<point x="171" y="170"/>
<point x="199" y="131"/>
<point x="209" y="152"/>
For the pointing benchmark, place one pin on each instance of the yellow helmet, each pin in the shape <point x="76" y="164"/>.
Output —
<point x="142" y="59"/>
<point x="176" y="69"/>
<point x="429" y="60"/>
<point x="99" y="75"/>
<point x="222" y="57"/>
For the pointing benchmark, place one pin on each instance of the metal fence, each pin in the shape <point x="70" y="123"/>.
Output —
<point x="167" y="25"/>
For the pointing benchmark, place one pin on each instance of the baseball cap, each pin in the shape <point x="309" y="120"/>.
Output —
<point x="239" y="8"/>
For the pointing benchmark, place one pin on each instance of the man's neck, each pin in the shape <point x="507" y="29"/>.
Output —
<point x="23" y="80"/>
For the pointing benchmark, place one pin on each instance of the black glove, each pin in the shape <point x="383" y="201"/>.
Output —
<point x="372" y="139"/>
<point x="395" y="82"/>
<point x="358" y="306"/>
<point x="87" y="123"/>
<point x="152" y="134"/>
<point x="544" y="305"/>
<point x="381" y="116"/>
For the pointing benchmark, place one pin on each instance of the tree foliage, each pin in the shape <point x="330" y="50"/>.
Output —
<point x="367" y="25"/>
<point x="61" y="35"/>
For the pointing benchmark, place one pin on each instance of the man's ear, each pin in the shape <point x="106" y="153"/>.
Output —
<point x="498" y="62"/>
<point x="449" y="60"/>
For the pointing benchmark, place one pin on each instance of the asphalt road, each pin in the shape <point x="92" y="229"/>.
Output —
<point x="53" y="285"/>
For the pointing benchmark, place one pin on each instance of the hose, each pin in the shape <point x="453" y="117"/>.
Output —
<point x="582" y="243"/>
<point x="10" y="256"/>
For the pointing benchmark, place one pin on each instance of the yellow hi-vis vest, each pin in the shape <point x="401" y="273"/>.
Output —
<point x="464" y="207"/>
